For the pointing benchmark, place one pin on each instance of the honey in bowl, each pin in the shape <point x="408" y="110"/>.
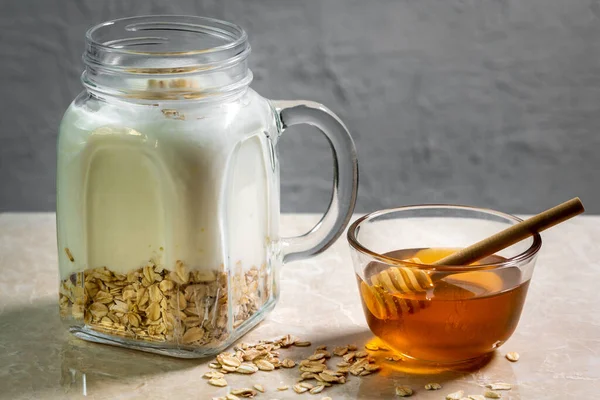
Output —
<point x="452" y="316"/>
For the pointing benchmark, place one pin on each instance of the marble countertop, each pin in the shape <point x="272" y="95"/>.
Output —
<point x="558" y="336"/>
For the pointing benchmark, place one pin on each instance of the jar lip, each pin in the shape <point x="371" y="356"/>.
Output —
<point x="524" y="256"/>
<point x="167" y="22"/>
<point x="166" y="57"/>
<point x="125" y="44"/>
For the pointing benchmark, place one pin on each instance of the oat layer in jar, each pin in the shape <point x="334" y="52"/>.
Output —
<point x="168" y="188"/>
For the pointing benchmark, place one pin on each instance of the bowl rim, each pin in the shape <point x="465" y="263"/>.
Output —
<point x="522" y="257"/>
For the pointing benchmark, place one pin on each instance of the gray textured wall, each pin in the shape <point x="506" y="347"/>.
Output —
<point x="485" y="102"/>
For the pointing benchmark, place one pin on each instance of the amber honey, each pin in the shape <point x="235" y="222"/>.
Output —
<point x="463" y="315"/>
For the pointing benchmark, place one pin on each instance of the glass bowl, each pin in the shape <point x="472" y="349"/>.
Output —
<point x="433" y="313"/>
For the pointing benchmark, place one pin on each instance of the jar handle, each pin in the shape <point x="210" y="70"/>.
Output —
<point x="345" y="177"/>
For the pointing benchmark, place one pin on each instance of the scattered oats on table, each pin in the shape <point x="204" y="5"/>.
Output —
<point x="287" y="363"/>
<point x="340" y="350"/>
<point x="372" y="367"/>
<point x="324" y="352"/>
<point x="371" y="346"/>
<point x="307" y="385"/>
<point x="328" y="377"/>
<point x="228" y="360"/>
<point x="249" y="358"/>
<point x="264" y="365"/>
<point x="404" y="391"/>
<point x="299" y="389"/>
<point x="213" y="374"/>
<point x="490" y="394"/>
<point x="259" y="387"/>
<point x="512" y="356"/>
<point x="349" y="357"/>
<point x="316" y="356"/>
<point x="476" y="397"/>
<point x="433" y="386"/>
<point x="317" y="389"/>
<point x="220" y="382"/>
<point x="244" y="392"/>
<point x="245" y="368"/>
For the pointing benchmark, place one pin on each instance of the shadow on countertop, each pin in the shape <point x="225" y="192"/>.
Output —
<point x="39" y="358"/>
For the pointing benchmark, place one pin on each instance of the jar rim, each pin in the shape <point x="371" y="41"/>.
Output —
<point x="523" y="256"/>
<point x="194" y="58"/>
<point x="135" y="29"/>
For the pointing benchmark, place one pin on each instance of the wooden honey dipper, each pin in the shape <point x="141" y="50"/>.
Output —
<point x="399" y="280"/>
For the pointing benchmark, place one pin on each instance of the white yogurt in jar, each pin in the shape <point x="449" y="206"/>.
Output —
<point x="146" y="182"/>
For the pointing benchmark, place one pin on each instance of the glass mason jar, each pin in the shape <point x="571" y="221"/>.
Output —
<point x="168" y="188"/>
